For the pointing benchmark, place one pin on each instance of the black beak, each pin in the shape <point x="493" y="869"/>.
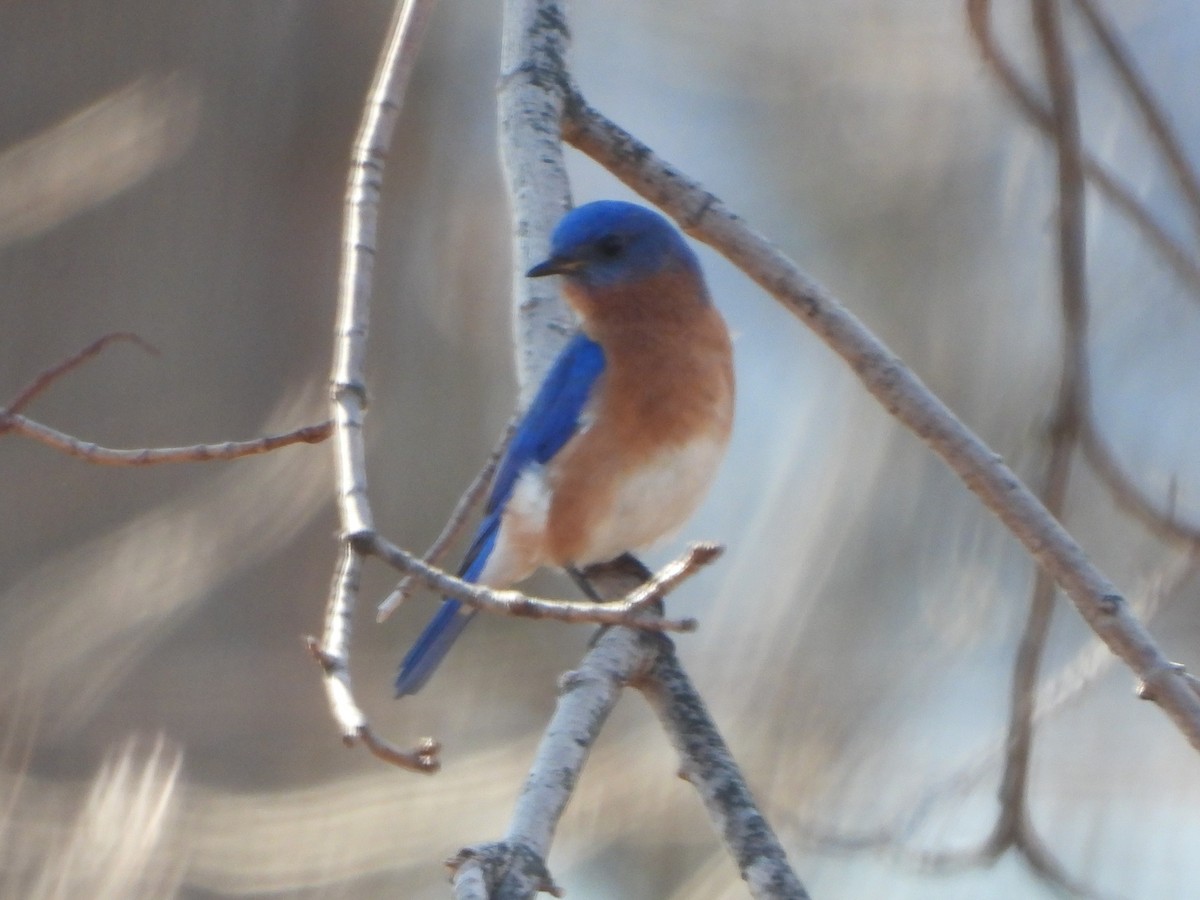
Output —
<point x="552" y="266"/>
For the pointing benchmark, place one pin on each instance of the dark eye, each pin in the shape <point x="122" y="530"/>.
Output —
<point x="610" y="246"/>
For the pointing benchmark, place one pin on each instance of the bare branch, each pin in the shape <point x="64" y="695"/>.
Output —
<point x="107" y="456"/>
<point x="12" y="421"/>
<point x="533" y="92"/>
<point x="517" y="870"/>
<point x="1014" y="827"/>
<point x="530" y="100"/>
<point x="1157" y="123"/>
<point x="515" y="867"/>
<point x="629" y="611"/>
<point x="1172" y="252"/>
<point x="27" y="394"/>
<point x="708" y="765"/>
<point x="332" y="652"/>
<point x="348" y="381"/>
<point x="705" y="217"/>
<point x="454" y="525"/>
<point x="1128" y="495"/>
<point x="586" y="697"/>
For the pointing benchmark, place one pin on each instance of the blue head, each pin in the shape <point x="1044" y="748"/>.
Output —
<point x="608" y="242"/>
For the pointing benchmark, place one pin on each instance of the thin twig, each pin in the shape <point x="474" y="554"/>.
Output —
<point x="1014" y="827"/>
<point x="150" y="456"/>
<point x="1053" y="696"/>
<point x="628" y="611"/>
<point x="1172" y="252"/>
<point x="1162" y="521"/>
<point x="1157" y="123"/>
<point x="332" y="653"/>
<point x="454" y="525"/>
<point x="39" y="384"/>
<point x="707" y="218"/>
<point x="12" y="421"/>
<point x="1124" y="490"/>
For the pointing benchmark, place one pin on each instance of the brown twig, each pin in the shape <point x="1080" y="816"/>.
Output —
<point x="12" y="421"/>
<point x="1014" y="827"/>
<point x="1127" y="494"/>
<point x="1172" y="252"/>
<point x="1161" y="521"/>
<point x="46" y="378"/>
<point x="454" y="525"/>
<point x="108" y="456"/>
<point x="1052" y="697"/>
<point x="1157" y="123"/>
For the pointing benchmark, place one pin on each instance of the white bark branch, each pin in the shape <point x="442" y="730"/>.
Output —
<point x="348" y="379"/>
<point x="533" y="92"/>
<point x="530" y="97"/>
<point x="902" y="394"/>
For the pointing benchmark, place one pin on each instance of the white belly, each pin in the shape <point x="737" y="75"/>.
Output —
<point x="655" y="500"/>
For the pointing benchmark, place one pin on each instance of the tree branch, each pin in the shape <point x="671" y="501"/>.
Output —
<point x="31" y="391"/>
<point x="1181" y="261"/>
<point x="1014" y="825"/>
<point x="348" y="379"/>
<point x="628" y="611"/>
<point x="107" y="456"/>
<point x="332" y="652"/>
<point x="900" y="392"/>
<point x="709" y="766"/>
<point x="530" y="99"/>
<point x="12" y="421"/>
<point x="1158" y="126"/>
<point x="454" y="525"/>
<point x="533" y="93"/>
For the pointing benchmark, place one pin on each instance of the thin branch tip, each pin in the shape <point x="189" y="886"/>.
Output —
<point x="423" y="759"/>
<point x="44" y="379"/>
<point x="327" y="661"/>
<point x="704" y="552"/>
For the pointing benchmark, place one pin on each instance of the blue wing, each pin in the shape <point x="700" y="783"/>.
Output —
<point x="551" y="420"/>
<point x="553" y="417"/>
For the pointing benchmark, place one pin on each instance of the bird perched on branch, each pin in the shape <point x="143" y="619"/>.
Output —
<point x="626" y="432"/>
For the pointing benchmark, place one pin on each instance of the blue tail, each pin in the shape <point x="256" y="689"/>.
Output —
<point x="435" y="641"/>
<point x="433" y="644"/>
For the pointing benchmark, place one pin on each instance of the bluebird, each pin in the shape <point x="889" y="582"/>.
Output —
<point x="626" y="432"/>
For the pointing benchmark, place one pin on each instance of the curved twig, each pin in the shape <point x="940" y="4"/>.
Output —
<point x="454" y="525"/>
<point x="348" y="382"/>
<point x="44" y="379"/>
<point x="1172" y="252"/>
<point x="108" y="456"/>
<point x="1157" y="123"/>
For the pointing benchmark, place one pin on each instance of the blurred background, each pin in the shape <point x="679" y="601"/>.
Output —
<point x="177" y="170"/>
